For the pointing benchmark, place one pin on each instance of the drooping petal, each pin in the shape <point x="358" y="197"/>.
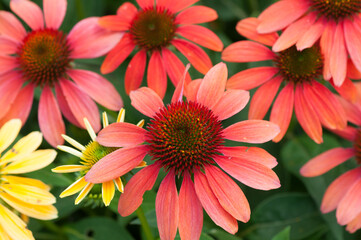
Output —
<point x="338" y="57"/>
<point x="167" y="207"/>
<point x="348" y="133"/>
<point x="355" y="224"/>
<point x="29" y="194"/>
<point x="348" y="90"/>
<point x="156" y="75"/>
<point x="202" y="36"/>
<point x="190" y="211"/>
<point x="7" y="45"/>
<point x="10" y="87"/>
<point x="352" y="71"/>
<point x="180" y="88"/>
<point x="127" y="10"/>
<point x="8" y="132"/>
<point x="135" y="71"/>
<point x="115" y="22"/>
<point x="173" y="66"/>
<point x="15" y="227"/>
<point x="108" y="191"/>
<point x="145" y="3"/>
<point x="54" y="12"/>
<point x="311" y="35"/>
<point x="192" y="89"/>
<point x="7" y="63"/>
<point x="247" y="51"/>
<point x="196" y="15"/>
<point x="134" y="190"/>
<point x="83" y="193"/>
<point x="251" y="78"/>
<point x="64" y="106"/>
<point x="50" y="121"/>
<point x="29" y="12"/>
<point x="75" y="187"/>
<point x="228" y="193"/>
<point x="11" y="27"/>
<point x="353" y="42"/>
<point x="177" y="6"/>
<point x="352" y="111"/>
<point x="97" y="87"/>
<point x="326" y="161"/>
<point x="211" y="204"/>
<point x="326" y="43"/>
<point x="121" y="134"/>
<point x="349" y="207"/>
<point x="146" y="101"/>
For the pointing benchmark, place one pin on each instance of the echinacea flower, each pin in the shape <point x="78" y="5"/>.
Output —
<point x="43" y="57"/>
<point x="344" y="193"/>
<point x="19" y="195"/>
<point x="186" y="140"/>
<point x="90" y="155"/>
<point x="336" y="24"/>
<point x="151" y="30"/>
<point x="297" y="73"/>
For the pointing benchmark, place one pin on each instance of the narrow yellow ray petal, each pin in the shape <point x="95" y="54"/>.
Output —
<point x="90" y="129"/>
<point x="121" y="115"/>
<point x="142" y="164"/>
<point x="83" y="193"/>
<point x="15" y="227"/>
<point x="25" y="145"/>
<point x="29" y="194"/>
<point x="74" y="188"/>
<point x="3" y="234"/>
<point x="73" y="142"/>
<point x="119" y="184"/>
<point x="42" y="212"/>
<point x="105" y="119"/>
<point x="8" y="133"/>
<point x="108" y="190"/>
<point x="70" y="150"/>
<point x="31" y="162"/>
<point x="69" y="168"/>
<point x="140" y="123"/>
<point x="25" y="181"/>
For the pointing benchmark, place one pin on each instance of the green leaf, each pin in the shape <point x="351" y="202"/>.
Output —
<point x="283" y="235"/>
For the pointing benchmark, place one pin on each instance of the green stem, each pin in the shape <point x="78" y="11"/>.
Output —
<point x="144" y="223"/>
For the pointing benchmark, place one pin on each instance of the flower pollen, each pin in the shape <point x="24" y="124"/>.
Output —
<point x="94" y="152"/>
<point x="336" y="9"/>
<point x="184" y="136"/>
<point x="153" y="28"/>
<point x="44" y="56"/>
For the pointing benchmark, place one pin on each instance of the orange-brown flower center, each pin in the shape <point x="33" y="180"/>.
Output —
<point x="184" y="136"/>
<point x="44" y="56"/>
<point x="300" y="66"/>
<point x="336" y="9"/>
<point x="153" y="28"/>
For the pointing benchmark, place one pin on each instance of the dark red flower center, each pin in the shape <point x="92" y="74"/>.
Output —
<point x="44" y="56"/>
<point x="184" y="136"/>
<point x="300" y="66"/>
<point x="336" y="9"/>
<point x="357" y="146"/>
<point x="153" y="28"/>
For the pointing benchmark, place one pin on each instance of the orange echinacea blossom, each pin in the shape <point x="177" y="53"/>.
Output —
<point x="151" y="30"/>
<point x="315" y="105"/>
<point x="186" y="139"/>
<point x="43" y="57"/>
<point x="336" y="23"/>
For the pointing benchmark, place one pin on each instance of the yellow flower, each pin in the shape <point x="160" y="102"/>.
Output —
<point x="88" y="156"/>
<point x="21" y="195"/>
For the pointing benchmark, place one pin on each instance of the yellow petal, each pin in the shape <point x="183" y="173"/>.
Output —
<point x="3" y="234"/>
<point x="108" y="190"/>
<point x="73" y="142"/>
<point x="83" y="193"/>
<point x="25" y="145"/>
<point x="29" y="194"/>
<point x="142" y="164"/>
<point x="8" y="133"/>
<point x="25" y="181"/>
<point x="140" y="123"/>
<point x="121" y="115"/>
<point x="74" y="188"/>
<point x="90" y="129"/>
<point x="14" y="226"/>
<point x="69" y="168"/>
<point x="42" y="212"/>
<point x="119" y="184"/>
<point x="70" y="150"/>
<point x="105" y="119"/>
<point x="31" y="162"/>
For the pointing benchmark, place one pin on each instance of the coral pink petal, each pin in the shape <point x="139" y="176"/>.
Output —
<point x="177" y="6"/>
<point x="280" y="14"/>
<point x="80" y="104"/>
<point x="195" y="55"/>
<point x="282" y="110"/>
<point x="338" y="189"/>
<point x="294" y="32"/>
<point x="156" y="75"/>
<point x="231" y="103"/>
<point x="228" y="193"/>
<point x="116" y="164"/>
<point x="326" y="43"/>
<point x="89" y="40"/>
<point x="7" y="63"/>
<point x="196" y="15"/>
<point x="312" y="34"/>
<point x="348" y="90"/>
<point x="167" y="207"/>
<point x="254" y="154"/>
<point x="190" y="211"/>
<point x="202" y="36"/>
<point x="135" y="71"/>
<point x="263" y="98"/>
<point x="353" y="41"/>
<point x="247" y="51"/>
<point x="352" y="71"/>
<point x="350" y="205"/>
<point x="248" y="28"/>
<point x="174" y="67"/>
<point x="326" y="161"/>
<point x="354" y="225"/>
<point x="121" y="134"/>
<point x="348" y="133"/>
<point x="251" y="78"/>
<point x="353" y="111"/>
<point x="306" y="116"/>
<point x="145" y="3"/>
<point x="180" y="88"/>
<point x="338" y="57"/>
<point x="146" y="101"/>
<point x="64" y="106"/>
<point x="134" y="190"/>
<point x="97" y="87"/>
<point x="212" y="206"/>
<point x="128" y="11"/>
<point x="11" y="27"/>
<point x="50" y="121"/>
<point x="213" y="85"/>
<point x="326" y="105"/>
<point x="250" y="173"/>
<point x="29" y="12"/>
<point x="54" y="12"/>
<point x="8" y="46"/>
<point x="10" y="85"/>
<point x="251" y="131"/>
<point x="192" y="89"/>
<point x="115" y="23"/>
